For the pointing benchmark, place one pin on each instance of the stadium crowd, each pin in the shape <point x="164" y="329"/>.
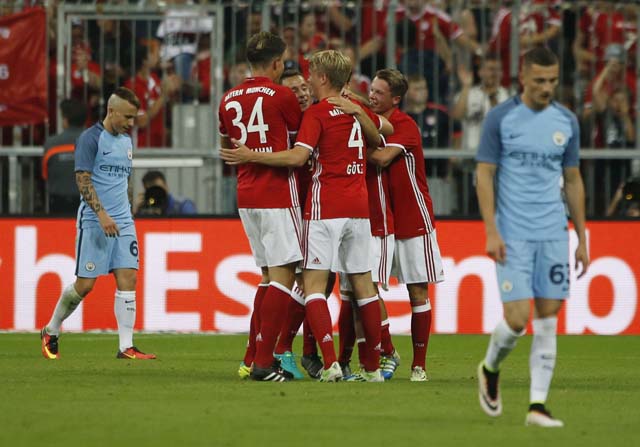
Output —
<point x="456" y="53"/>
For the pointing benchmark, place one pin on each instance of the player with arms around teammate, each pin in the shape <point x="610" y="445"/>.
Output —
<point x="106" y="238"/>
<point x="528" y="143"/>
<point x="337" y="233"/>
<point x="261" y="114"/>
<point x="416" y="259"/>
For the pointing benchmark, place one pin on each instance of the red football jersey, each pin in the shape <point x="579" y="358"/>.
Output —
<point x="426" y="39"/>
<point x="410" y="199"/>
<point x="380" y="213"/>
<point x="602" y="29"/>
<point x="338" y="150"/>
<point x="261" y="114"/>
<point x="148" y="91"/>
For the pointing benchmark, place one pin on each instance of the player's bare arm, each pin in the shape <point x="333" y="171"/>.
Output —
<point x="351" y="108"/>
<point x="89" y="195"/>
<point x="369" y="130"/>
<point x="574" y="192"/>
<point x="383" y="156"/>
<point x="292" y="158"/>
<point x="495" y="247"/>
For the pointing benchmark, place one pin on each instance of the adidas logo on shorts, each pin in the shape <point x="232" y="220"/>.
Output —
<point x="315" y="261"/>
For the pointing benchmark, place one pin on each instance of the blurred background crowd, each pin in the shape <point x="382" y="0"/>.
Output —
<point x="461" y="58"/>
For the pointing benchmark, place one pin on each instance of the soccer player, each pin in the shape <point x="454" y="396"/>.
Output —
<point x="106" y="238"/>
<point x="528" y="143"/>
<point x="416" y="258"/>
<point x="261" y="113"/>
<point x="336" y="233"/>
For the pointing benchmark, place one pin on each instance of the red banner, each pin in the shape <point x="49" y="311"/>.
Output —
<point x="23" y="74"/>
<point x="198" y="275"/>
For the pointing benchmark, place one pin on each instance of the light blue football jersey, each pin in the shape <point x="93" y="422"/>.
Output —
<point x="109" y="159"/>
<point x="530" y="149"/>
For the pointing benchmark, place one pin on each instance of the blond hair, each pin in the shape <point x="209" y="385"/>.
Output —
<point x="335" y="65"/>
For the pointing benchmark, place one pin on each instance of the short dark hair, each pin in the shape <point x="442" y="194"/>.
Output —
<point x="542" y="56"/>
<point x="264" y="47"/>
<point x="290" y="73"/>
<point x="74" y="111"/>
<point x="398" y="84"/>
<point x="127" y="95"/>
<point x="151" y="176"/>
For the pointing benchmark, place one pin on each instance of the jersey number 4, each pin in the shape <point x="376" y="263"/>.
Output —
<point x="355" y="139"/>
<point x="256" y="120"/>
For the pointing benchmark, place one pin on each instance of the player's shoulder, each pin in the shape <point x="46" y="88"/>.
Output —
<point x="564" y="111"/>
<point x="500" y="111"/>
<point x="400" y="119"/>
<point x="91" y="134"/>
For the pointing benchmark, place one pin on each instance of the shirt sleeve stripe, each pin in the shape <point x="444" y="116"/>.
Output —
<point x="298" y="143"/>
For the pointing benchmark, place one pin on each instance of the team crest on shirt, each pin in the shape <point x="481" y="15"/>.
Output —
<point x="130" y="154"/>
<point x="90" y="266"/>
<point x="559" y="138"/>
<point x="507" y="286"/>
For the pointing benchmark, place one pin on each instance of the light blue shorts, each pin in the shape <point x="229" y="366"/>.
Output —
<point x="97" y="254"/>
<point x="534" y="269"/>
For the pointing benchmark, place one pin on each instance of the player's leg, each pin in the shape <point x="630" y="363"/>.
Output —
<point x="68" y="301"/>
<point x="420" y="329"/>
<point x="516" y="289"/>
<point x="389" y="357"/>
<point x="244" y="370"/>
<point x="551" y="281"/>
<point x="292" y="322"/>
<point x="368" y="311"/>
<point x="346" y="326"/>
<point x="124" y="265"/>
<point x="92" y="251"/>
<point x="272" y="309"/>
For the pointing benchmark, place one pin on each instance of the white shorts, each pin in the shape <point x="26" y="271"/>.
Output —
<point x="417" y="260"/>
<point x="274" y="234"/>
<point x="339" y="245"/>
<point x="381" y="258"/>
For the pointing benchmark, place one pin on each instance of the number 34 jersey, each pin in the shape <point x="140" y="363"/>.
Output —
<point x="262" y="114"/>
<point x="338" y="188"/>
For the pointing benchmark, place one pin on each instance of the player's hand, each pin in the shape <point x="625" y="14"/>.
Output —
<point x="582" y="258"/>
<point x="344" y="105"/>
<point x="465" y="76"/>
<point x="496" y="248"/>
<point x="238" y="156"/>
<point x="108" y="225"/>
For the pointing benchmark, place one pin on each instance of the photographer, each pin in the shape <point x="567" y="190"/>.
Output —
<point x="626" y="201"/>
<point x="158" y="201"/>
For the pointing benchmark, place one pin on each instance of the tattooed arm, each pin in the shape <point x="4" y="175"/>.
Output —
<point x="88" y="192"/>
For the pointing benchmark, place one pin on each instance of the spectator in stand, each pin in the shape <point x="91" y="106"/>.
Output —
<point x="153" y="95"/>
<point x="614" y="128"/>
<point x="539" y="24"/>
<point x="472" y="103"/>
<point x="435" y="126"/>
<point x="613" y="76"/>
<point x="171" y="205"/>
<point x="429" y="51"/>
<point x="359" y="83"/>
<point x="373" y="31"/>
<point x="61" y="186"/>
<point x="112" y="39"/>
<point x="601" y="25"/>
<point x="180" y="32"/>
<point x="310" y="40"/>
<point x="85" y="80"/>
<point x="626" y="201"/>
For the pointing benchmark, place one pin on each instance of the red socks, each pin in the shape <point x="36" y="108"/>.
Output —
<point x="420" y="330"/>
<point x="385" y="339"/>
<point x="320" y="321"/>
<point x="255" y="324"/>
<point x="370" y="316"/>
<point x="293" y="321"/>
<point x="273" y="308"/>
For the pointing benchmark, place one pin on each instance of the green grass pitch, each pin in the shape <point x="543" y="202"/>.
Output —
<point x="191" y="396"/>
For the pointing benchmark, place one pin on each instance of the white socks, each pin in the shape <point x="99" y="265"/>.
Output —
<point x="503" y="340"/>
<point x="67" y="303"/>
<point x="542" y="359"/>
<point x="125" y="310"/>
